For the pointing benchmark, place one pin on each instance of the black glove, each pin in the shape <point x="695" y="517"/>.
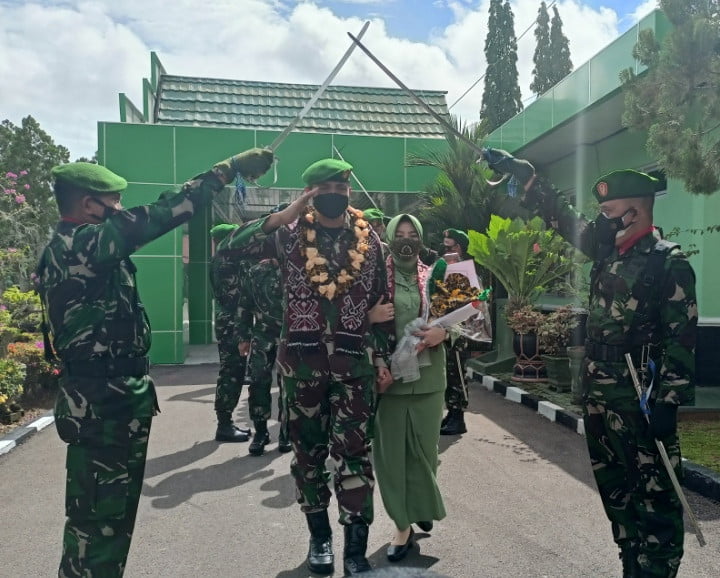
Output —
<point x="503" y="162"/>
<point x="663" y="420"/>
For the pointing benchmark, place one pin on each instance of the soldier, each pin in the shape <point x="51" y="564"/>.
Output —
<point x="101" y="333"/>
<point x="261" y="296"/>
<point x="333" y="273"/>
<point x="642" y="302"/>
<point x="456" y="394"/>
<point x="377" y="218"/>
<point x="227" y="271"/>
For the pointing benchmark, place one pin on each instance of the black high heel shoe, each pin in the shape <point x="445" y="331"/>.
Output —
<point x="397" y="553"/>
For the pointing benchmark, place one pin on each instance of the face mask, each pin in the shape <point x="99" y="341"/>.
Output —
<point x="107" y="210"/>
<point x="607" y="229"/>
<point x="405" y="249"/>
<point x="331" y="205"/>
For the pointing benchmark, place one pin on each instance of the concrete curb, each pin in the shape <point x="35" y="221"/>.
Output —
<point x="21" y="434"/>
<point x="697" y="478"/>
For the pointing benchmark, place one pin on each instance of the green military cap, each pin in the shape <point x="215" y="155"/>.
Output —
<point x="373" y="214"/>
<point x="327" y="170"/>
<point x="624" y="184"/>
<point x="458" y="236"/>
<point x="89" y="177"/>
<point x="219" y="232"/>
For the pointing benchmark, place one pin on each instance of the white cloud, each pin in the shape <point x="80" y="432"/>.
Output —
<point x="65" y="61"/>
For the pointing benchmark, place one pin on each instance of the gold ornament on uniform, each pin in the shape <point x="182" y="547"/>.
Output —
<point x="452" y="294"/>
<point x="316" y="266"/>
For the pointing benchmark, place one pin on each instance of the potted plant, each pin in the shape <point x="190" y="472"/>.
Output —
<point x="526" y="259"/>
<point x="555" y="333"/>
<point x="525" y="323"/>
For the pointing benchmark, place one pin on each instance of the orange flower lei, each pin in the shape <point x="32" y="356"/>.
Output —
<point x="316" y="266"/>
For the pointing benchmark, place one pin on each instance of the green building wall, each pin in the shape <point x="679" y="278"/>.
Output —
<point x="155" y="158"/>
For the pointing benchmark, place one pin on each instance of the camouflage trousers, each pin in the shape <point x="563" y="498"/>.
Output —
<point x="456" y="397"/>
<point x="329" y="417"/>
<point x="263" y="352"/>
<point x="231" y="376"/>
<point x="104" y="482"/>
<point x="644" y="510"/>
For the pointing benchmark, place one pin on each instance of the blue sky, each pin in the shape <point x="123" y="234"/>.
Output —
<point x="65" y="61"/>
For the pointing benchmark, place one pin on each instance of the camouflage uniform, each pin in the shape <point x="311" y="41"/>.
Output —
<point x="106" y="399"/>
<point x="638" y="497"/>
<point x="329" y="395"/>
<point x="227" y="271"/>
<point x="261" y="295"/>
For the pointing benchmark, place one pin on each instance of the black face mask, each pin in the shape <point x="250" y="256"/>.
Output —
<point x="606" y="229"/>
<point x="405" y="249"/>
<point x="107" y="211"/>
<point x="331" y="205"/>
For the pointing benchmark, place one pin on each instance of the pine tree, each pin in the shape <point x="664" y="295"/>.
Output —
<point x="560" y="63"/>
<point x="501" y="95"/>
<point x="542" y="57"/>
<point x="677" y="100"/>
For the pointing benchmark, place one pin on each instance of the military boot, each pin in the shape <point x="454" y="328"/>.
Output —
<point x="354" y="560"/>
<point x="629" y="557"/>
<point x="226" y="430"/>
<point x="320" y="558"/>
<point x="260" y="439"/>
<point x="284" y="445"/>
<point x="455" y="425"/>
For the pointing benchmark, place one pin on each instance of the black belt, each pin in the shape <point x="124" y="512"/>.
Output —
<point x="108" y="367"/>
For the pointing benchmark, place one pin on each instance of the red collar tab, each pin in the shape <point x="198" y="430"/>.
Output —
<point x="630" y="243"/>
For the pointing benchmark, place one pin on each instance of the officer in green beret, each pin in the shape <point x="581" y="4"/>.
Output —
<point x="456" y="394"/>
<point x="377" y="219"/>
<point x="329" y="356"/>
<point x="231" y="322"/>
<point x="100" y="332"/>
<point x="642" y="302"/>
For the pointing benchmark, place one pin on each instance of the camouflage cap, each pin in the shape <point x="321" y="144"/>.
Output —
<point x="373" y="214"/>
<point x="89" y="177"/>
<point x="624" y="184"/>
<point x="458" y="236"/>
<point x="219" y="232"/>
<point x="327" y="170"/>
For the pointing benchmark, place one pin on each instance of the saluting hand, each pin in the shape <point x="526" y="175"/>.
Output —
<point x="289" y="213"/>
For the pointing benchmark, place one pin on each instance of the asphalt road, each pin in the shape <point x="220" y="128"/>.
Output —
<point x="518" y="490"/>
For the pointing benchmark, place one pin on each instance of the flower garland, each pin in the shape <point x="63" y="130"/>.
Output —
<point x="316" y="266"/>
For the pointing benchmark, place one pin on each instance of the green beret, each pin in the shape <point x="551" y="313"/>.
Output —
<point x="624" y="184"/>
<point x="327" y="170"/>
<point x="219" y="232"/>
<point x="373" y="214"/>
<point x="89" y="177"/>
<point x="458" y="236"/>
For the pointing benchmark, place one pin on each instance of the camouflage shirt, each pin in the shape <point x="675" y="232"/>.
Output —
<point x="228" y="272"/>
<point x="262" y="296"/>
<point x="670" y="318"/>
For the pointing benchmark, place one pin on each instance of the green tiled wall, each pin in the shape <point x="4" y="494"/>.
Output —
<point x="155" y="158"/>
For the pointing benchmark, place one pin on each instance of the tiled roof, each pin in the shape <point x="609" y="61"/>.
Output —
<point x="271" y="106"/>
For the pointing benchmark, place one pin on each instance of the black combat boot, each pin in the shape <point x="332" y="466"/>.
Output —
<point x="226" y="430"/>
<point x="320" y="558"/>
<point x="445" y="419"/>
<point x="629" y="556"/>
<point x="260" y="439"/>
<point x="284" y="445"/>
<point x="354" y="560"/>
<point x="455" y="424"/>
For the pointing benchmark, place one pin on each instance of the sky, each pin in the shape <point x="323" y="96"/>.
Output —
<point x="65" y="61"/>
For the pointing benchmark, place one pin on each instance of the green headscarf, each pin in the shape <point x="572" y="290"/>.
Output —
<point x="395" y="221"/>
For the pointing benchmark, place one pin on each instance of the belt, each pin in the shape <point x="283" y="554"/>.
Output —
<point x="604" y="352"/>
<point x="108" y="367"/>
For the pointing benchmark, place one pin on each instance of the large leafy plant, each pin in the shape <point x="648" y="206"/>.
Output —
<point x="526" y="258"/>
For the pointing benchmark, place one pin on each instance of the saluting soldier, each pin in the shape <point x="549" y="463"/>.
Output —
<point x="333" y="273"/>
<point x="261" y="296"/>
<point x="101" y="333"/>
<point x="232" y="323"/>
<point x="642" y="302"/>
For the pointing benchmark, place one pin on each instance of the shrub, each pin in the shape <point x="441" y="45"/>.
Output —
<point x="40" y="375"/>
<point x="12" y="377"/>
<point x="24" y="308"/>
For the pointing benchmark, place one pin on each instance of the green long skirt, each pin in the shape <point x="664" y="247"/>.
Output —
<point x="405" y="450"/>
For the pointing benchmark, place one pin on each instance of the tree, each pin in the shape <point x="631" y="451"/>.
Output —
<point x="560" y="63"/>
<point x="542" y="58"/>
<point x="501" y="96"/>
<point x="27" y="207"/>
<point x="677" y="100"/>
